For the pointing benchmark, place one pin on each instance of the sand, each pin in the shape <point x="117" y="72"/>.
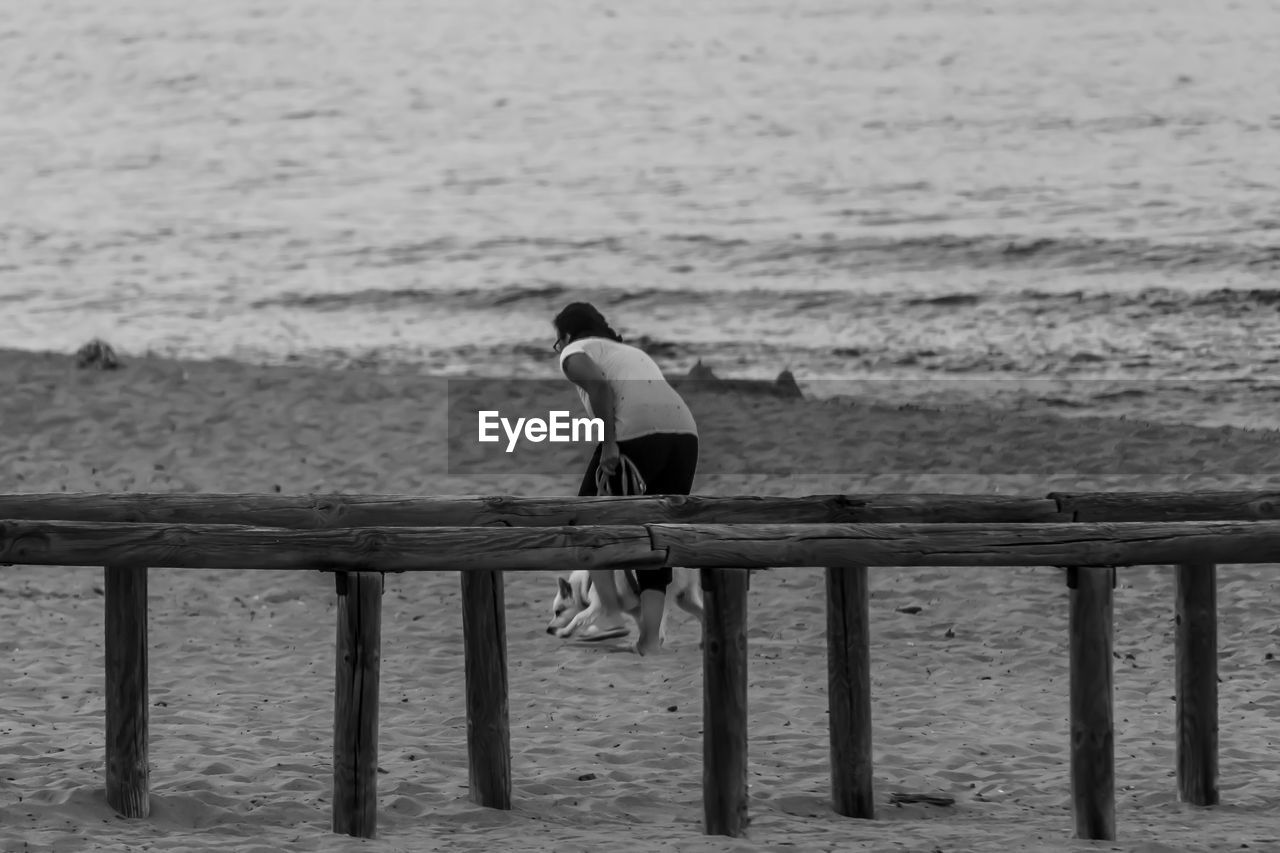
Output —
<point x="969" y="693"/>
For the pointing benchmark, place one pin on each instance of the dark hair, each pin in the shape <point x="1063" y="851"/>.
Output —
<point x="582" y="320"/>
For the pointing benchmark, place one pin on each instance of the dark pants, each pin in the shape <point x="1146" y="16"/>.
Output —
<point x="667" y="462"/>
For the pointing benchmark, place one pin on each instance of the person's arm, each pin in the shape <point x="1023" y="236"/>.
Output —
<point x="586" y="374"/>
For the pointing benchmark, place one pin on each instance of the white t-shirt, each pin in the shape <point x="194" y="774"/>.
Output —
<point x="643" y="402"/>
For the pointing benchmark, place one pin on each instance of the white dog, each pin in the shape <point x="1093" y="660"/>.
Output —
<point x="577" y="602"/>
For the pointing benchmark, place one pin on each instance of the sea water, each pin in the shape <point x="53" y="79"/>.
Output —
<point x="1062" y="191"/>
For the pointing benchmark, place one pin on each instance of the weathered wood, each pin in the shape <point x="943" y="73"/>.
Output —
<point x="1197" y="678"/>
<point x="765" y="545"/>
<point x="849" y="691"/>
<point x="389" y="549"/>
<point x="326" y="511"/>
<point x="1169" y="506"/>
<point x="484" y="638"/>
<point x="724" y="702"/>
<point x="125" y="652"/>
<point x="1093" y="783"/>
<point x="1196" y="615"/>
<point x="355" y="707"/>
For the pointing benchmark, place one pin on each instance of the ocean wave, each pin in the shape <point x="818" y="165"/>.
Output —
<point x="692" y="253"/>
<point x="475" y="298"/>
<point x="546" y="296"/>
<point x="1096" y="254"/>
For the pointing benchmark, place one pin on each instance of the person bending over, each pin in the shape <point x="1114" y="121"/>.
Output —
<point x="645" y="420"/>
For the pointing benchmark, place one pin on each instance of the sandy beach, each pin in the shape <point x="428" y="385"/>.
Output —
<point x="969" y="691"/>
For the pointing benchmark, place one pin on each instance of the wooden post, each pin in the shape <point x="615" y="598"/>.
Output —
<point x="355" y="713"/>
<point x="724" y="702"/>
<point x="849" y="691"/>
<point x="484" y="637"/>
<point x="1093" y="782"/>
<point x="1197" y="677"/>
<point x="128" y="775"/>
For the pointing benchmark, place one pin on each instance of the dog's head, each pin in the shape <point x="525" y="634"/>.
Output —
<point x="570" y="600"/>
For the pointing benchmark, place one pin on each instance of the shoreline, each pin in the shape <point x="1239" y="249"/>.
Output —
<point x="176" y="416"/>
<point x="1247" y="403"/>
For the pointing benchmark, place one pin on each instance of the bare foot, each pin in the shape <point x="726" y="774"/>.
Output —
<point x="648" y="648"/>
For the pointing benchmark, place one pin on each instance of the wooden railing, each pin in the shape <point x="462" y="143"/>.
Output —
<point x="360" y="537"/>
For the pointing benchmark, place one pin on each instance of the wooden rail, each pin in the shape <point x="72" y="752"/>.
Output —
<point x="321" y="511"/>
<point x="359" y="537"/>
<point x="754" y="546"/>
<point x="325" y="511"/>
